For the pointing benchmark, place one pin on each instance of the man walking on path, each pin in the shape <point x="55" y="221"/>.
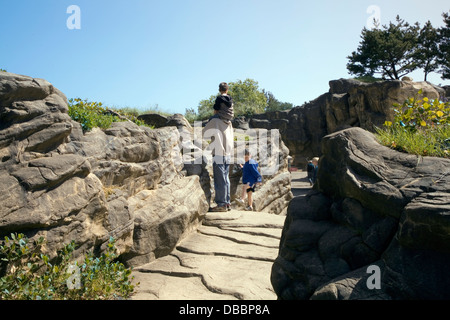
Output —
<point x="220" y="131"/>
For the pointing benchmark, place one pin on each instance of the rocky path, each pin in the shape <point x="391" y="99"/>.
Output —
<point x="229" y="258"/>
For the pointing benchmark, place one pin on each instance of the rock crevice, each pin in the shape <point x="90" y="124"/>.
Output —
<point x="371" y="206"/>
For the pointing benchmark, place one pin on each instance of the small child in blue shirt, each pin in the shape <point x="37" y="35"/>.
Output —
<point x="250" y="177"/>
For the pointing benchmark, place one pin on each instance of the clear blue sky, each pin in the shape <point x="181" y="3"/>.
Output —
<point x="174" y="53"/>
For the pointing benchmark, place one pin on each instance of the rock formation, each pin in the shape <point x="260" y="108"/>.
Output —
<point x="269" y="151"/>
<point x="349" y="103"/>
<point x="129" y="182"/>
<point x="372" y="206"/>
<point x="125" y="182"/>
<point x="228" y="258"/>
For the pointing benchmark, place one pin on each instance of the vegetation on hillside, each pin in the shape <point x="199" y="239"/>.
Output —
<point x="94" y="115"/>
<point x="27" y="273"/>
<point x="420" y="127"/>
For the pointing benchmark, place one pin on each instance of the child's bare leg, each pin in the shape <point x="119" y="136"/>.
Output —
<point x="244" y="189"/>
<point x="250" y="198"/>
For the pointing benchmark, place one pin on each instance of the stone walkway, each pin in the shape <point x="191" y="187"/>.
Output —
<point x="230" y="257"/>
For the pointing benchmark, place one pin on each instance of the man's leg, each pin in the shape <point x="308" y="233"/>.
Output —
<point x="220" y="186"/>
<point x="227" y="181"/>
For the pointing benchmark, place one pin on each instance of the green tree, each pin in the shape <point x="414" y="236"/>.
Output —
<point x="3" y="70"/>
<point x="248" y="99"/>
<point x="444" y="47"/>
<point x="205" y="108"/>
<point x="427" y="52"/>
<point x="388" y="51"/>
<point x="273" y="104"/>
<point x="190" y="115"/>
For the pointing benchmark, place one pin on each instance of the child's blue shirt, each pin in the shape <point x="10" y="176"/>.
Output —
<point x="250" y="173"/>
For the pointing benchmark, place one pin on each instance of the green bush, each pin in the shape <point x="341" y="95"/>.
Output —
<point x="93" y="115"/>
<point x="417" y="114"/>
<point x="28" y="274"/>
<point x="420" y="127"/>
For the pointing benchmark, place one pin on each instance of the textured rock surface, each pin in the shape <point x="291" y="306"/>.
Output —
<point x="65" y="185"/>
<point x="372" y="206"/>
<point x="44" y="192"/>
<point x="163" y="217"/>
<point x="128" y="182"/>
<point x="229" y="258"/>
<point x="268" y="150"/>
<point x="349" y="103"/>
<point x="274" y="194"/>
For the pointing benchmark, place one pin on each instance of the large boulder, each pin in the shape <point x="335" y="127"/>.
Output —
<point x="371" y="207"/>
<point x="163" y="217"/>
<point x="349" y="103"/>
<point x="267" y="147"/>
<point x="130" y="157"/>
<point x="45" y="193"/>
<point x="64" y="184"/>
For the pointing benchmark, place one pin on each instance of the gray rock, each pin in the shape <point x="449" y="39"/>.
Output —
<point x="160" y="121"/>
<point x="349" y="103"/>
<point x="163" y="217"/>
<point x="386" y="209"/>
<point x="229" y="258"/>
<point x="65" y="185"/>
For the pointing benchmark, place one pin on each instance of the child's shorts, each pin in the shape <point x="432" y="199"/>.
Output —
<point x="252" y="188"/>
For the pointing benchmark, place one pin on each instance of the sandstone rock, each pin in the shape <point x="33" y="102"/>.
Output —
<point x="380" y="207"/>
<point x="154" y="119"/>
<point x="163" y="217"/>
<point x="229" y="258"/>
<point x="160" y="121"/>
<point x="132" y="157"/>
<point x="241" y="123"/>
<point x="274" y="194"/>
<point x="65" y="185"/>
<point x="349" y="103"/>
<point x="373" y="103"/>
<point x="447" y="91"/>
<point x="45" y="192"/>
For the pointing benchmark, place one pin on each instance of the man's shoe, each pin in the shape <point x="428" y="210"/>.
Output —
<point x="218" y="209"/>
<point x="228" y="207"/>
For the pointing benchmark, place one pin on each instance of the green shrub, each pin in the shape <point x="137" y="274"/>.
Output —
<point x="417" y="114"/>
<point x="93" y="115"/>
<point x="420" y="127"/>
<point x="28" y="274"/>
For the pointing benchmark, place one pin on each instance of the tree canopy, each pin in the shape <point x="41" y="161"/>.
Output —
<point x="444" y="47"/>
<point x="388" y="50"/>
<point x="399" y="48"/>
<point x="248" y="99"/>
